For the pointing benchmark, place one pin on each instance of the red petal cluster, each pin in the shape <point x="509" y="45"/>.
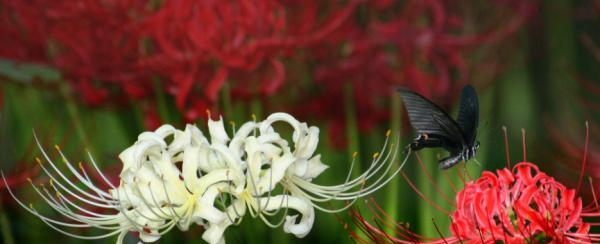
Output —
<point x="199" y="45"/>
<point x="111" y="50"/>
<point x="93" y="43"/>
<point x="517" y="206"/>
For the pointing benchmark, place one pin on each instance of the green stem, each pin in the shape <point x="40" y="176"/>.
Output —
<point x="7" y="236"/>
<point x="426" y="212"/>
<point x="226" y="98"/>
<point x="161" y="101"/>
<point x="392" y="194"/>
<point x="351" y="128"/>
<point x="256" y="108"/>
<point x="75" y="116"/>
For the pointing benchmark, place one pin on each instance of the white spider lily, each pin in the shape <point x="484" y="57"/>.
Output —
<point x="176" y="178"/>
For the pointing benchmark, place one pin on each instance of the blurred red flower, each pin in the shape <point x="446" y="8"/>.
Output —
<point x="111" y="50"/>
<point x="423" y="45"/>
<point x="200" y="45"/>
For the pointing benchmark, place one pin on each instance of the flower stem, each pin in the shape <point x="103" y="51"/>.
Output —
<point x="7" y="236"/>
<point x="227" y="104"/>
<point x="161" y="102"/>
<point x="426" y="213"/>
<point x="351" y="127"/>
<point x="66" y="92"/>
<point x="392" y="192"/>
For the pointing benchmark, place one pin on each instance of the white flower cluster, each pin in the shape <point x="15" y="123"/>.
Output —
<point x="175" y="178"/>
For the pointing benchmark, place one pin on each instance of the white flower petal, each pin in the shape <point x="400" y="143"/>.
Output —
<point x="301" y="205"/>
<point x="217" y="131"/>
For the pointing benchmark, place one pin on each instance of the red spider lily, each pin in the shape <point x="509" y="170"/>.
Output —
<point x="110" y="50"/>
<point x="422" y="45"/>
<point x="201" y="45"/>
<point x="511" y="206"/>
<point x="93" y="43"/>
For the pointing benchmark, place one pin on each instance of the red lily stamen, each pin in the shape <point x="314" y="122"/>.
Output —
<point x="430" y="179"/>
<point x="506" y="148"/>
<point x="585" y="153"/>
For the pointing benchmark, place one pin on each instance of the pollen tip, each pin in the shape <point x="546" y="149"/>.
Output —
<point x="208" y="113"/>
<point x="80" y="165"/>
<point x="354" y="154"/>
<point x="38" y="160"/>
<point x="232" y="123"/>
<point x="57" y="147"/>
<point x="388" y="133"/>
<point x="375" y="155"/>
<point x="253" y="116"/>
<point x="29" y="179"/>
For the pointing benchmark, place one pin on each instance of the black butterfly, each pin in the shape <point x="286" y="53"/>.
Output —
<point x="435" y="128"/>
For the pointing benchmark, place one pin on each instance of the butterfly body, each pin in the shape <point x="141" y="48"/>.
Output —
<point x="435" y="128"/>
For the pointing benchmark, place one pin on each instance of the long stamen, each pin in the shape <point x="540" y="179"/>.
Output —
<point x="585" y="155"/>
<point x="524" y="145"/>
<point x="506" y="148"/>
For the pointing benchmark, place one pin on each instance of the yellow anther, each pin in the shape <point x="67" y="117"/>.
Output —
<point x="31" y="205"/>
<point x="29" y="179"/>
<point x="253" y="117"/>
<point x="375" y="155"/>
<point x="232" y="124"/>
<point x="388" y="133"/>
<point x="81" y="165"/>
<point x="38" y="160"/>
<point x="51" y="183"/>
<point x="57" y="147"/>
<point x="354" y="154"/>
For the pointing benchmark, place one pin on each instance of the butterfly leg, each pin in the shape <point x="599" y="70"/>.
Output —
<point x="423" y="141"/>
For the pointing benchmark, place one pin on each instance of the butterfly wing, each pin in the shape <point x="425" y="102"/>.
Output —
<point x="468" y="116"/>
<point x="429" y="119"/>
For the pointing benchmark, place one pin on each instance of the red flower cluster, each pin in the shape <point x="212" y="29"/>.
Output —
<point x="113" y="51"/>
<point x="93" y="43"/>
<point x="510" y="206"/>
<point x="517" y="206"/>
<point x="199" y="45"/>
